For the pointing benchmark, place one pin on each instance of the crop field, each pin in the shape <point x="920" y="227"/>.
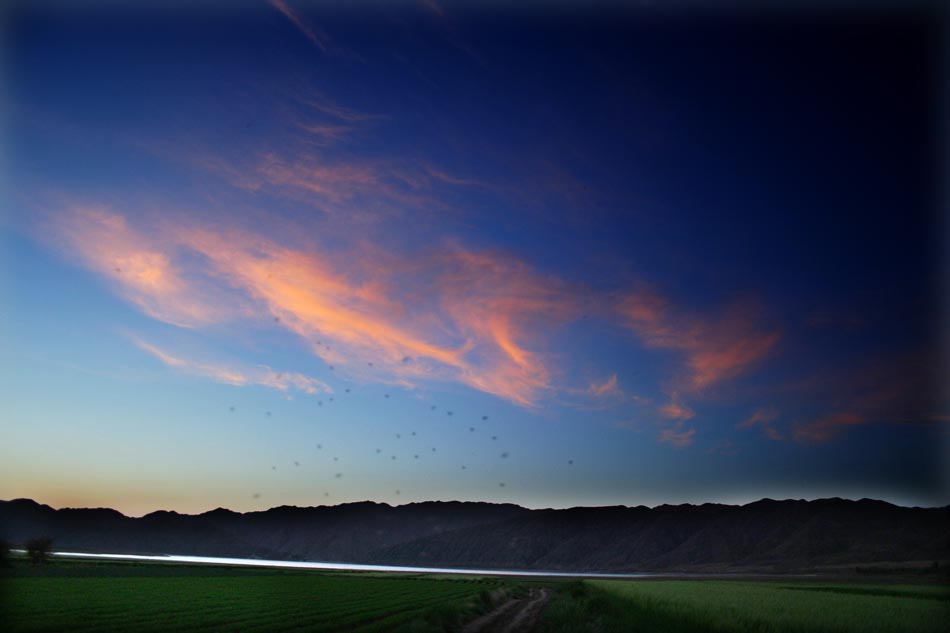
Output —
<point x="71" y="596"/>
<point x="81" y="596"/>
<point x="738" y="607"/>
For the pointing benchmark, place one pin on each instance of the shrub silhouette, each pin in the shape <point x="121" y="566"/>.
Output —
<point x="38" y="549"/>
<point x="4" y="553"/>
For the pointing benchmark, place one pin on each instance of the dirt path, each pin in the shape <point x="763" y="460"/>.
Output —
<point x="514" y="616"/>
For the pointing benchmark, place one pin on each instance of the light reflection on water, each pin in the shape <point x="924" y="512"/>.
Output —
<point x="253" y="562"/>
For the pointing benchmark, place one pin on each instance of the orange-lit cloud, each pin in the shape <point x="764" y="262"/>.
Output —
<point x="607" y="389"/>
<point x="898" y="389"/>
<point x="715" y="349"/>
<point x="506" y="310"/>
<point x="334" y="181"/>
<point x="677" y="411"/>
<point x="763" y="417"/>
<point x="677" y="437"/>
<point x="238" y="376"/>
<point x="440" y="175"/>
<point x="357" y="190"/>
<point x="827" y="427"/>
<point x="482" y="319"/>
<point x="142" y="270"/>
<point x="601" y="394"/>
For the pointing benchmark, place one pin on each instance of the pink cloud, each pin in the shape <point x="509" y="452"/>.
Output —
<point x="677" y="437"/>
<point x="444" y="176"/>
<point x="827" y="427"/>
<point x="335" y="182"/>
<point x="676" y="411"/>
<point x="479" y="318"/>
<point x="326" y="134"/>
<point x="607" y="389"/>
<point x="715" y="348"/>
<point x="142" y="270"/>
<point x="317" y="37"/>
<point x="356" y="190"/>
<point x="237" y="376"/>
<point x="763" y="418"/>
<point x="896" y="389"/>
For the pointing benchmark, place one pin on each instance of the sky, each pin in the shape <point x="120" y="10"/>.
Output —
<point x="303" y="253"/>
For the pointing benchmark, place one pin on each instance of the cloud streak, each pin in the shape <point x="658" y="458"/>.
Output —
<point x="715" y="349"/>
<point x="676" y="436"/>
<point x="895" y="389"/>
<point x="763" y="418"/>
<point x="317" y="37"/>
<point x="677" y="411"/>
<point x="480" y="318"/>
<point x="145" y="273"/>
<point x="237" y="376"/>
<point x="607" y="389"/>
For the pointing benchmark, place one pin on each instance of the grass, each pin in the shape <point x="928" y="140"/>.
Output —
<point x="730" y="606"/>
<point x="100" y="597"/>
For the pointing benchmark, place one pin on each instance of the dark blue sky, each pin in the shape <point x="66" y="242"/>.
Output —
<point x="642" y="255"/>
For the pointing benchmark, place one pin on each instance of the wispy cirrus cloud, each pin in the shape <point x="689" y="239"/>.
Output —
<point x="332" y="181"/>
<point x="146" y="273"/>
<point x="317" y="103"/>
<point x="357" y="190"/>
<point x="326" y="135"/>
<point x="890" y="389"/>
<point x="238" y="376"/>
<point x="483" y="319"/>
<point x="502" y="301"/>
<point x="606" y="389"/>
<point x="479" y="318"/>
<point x="449" y="28"/>
<point x="763" y="417"/>
<point x="674" y="415"/>
<point x="827" y="427"/>
<point x="676" y="437"/>
<point x="601" y="394"/>
<point x="715" y="349"/>
<point x="312" y="33"/>
<point x="676" y="411"/>
<point x="317" y="36"/>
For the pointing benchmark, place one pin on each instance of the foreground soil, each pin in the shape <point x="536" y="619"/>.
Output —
<point x="518" y="615"/>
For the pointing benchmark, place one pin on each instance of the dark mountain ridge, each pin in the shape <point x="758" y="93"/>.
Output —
<point x="764" y="535"/>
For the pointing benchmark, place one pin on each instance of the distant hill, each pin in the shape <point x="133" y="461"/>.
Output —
<point x="764" y="536"/>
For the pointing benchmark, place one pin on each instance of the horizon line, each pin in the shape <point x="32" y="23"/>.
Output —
<point x="493" y="503"/>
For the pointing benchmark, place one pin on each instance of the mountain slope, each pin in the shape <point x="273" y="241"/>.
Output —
<point x="767" y="534"/>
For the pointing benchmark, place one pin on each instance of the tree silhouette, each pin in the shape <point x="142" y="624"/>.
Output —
<point x="38" y="549"/>
<point x="4" y="553"/>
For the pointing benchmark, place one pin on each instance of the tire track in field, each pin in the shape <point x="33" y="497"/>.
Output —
<point x="515" y="616"/>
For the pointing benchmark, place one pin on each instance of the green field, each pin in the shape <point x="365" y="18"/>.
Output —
<point x="80" y="596"/>
<point x="730" y="606"/>
<point x="76" y="596"/>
